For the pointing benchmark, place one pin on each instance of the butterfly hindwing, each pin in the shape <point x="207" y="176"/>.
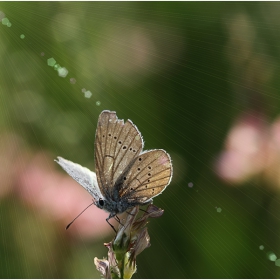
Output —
<point x="147" y="177"/>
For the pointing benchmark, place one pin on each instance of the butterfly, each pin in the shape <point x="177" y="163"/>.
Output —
<point x="126" y="175"/>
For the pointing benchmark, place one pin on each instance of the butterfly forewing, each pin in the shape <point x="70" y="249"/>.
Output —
<point x="103" y="157"/>
<point x="82" y="175"/>
<point x="148" y="176"/>
<point x="116" y="145"/>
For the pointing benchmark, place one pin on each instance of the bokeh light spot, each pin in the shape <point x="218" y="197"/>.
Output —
<point x="277" y="262"/>
<point x="5" y="21"/>
<point x="73" y="81"/>
<point x="219" y="210"/>
<point x="190" y="184"/>
<point x="88" y="94"/>
<point x="271" y="256"/>
<point x="51" y="62"/>
<point x="2" y="15"/>
<point x="62" y="72"/>
<point x="261" y="247"/>
<point x="56" y="66"/>
<point x="98" y="103"/>
<point x="22" y="36"/>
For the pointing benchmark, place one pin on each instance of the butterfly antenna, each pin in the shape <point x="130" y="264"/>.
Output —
<point x="79" y="215"/>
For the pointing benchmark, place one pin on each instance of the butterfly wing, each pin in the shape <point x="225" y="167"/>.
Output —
<point x="147" y="177"/>
<point x="85" y="177"/>
<point x="116" y="145"/>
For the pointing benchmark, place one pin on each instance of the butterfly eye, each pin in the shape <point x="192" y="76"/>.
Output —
<point x="101" y="202"/>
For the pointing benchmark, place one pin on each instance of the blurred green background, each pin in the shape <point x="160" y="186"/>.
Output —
<point x="185" y="73"/>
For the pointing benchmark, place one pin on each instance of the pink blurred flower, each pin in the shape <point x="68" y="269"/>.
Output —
<point x="252" y="147"/>
<point x="59" y="197"/>
<point x="10" y="154"/>
<point x="242" y="155"/>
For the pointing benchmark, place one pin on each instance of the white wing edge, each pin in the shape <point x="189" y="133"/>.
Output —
<point x="86" y="178"/>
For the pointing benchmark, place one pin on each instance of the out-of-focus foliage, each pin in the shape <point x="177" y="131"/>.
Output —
<point x="199" y="79"/>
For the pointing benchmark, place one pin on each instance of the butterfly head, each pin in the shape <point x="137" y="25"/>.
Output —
<point x="112" y="206"/>
<point x="109" y="206"/>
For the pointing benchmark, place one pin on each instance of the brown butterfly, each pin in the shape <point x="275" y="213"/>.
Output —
<point x="126" y="175"/>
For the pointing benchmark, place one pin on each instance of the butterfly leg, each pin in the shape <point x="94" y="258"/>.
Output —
<point x="118" y="220"/>
<point x="144" y="211"/>
<point x="107" y="220"/>
<point x="150" y="201"/>
<point x="130" y="213"/>
<point x="145" y="203"/>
